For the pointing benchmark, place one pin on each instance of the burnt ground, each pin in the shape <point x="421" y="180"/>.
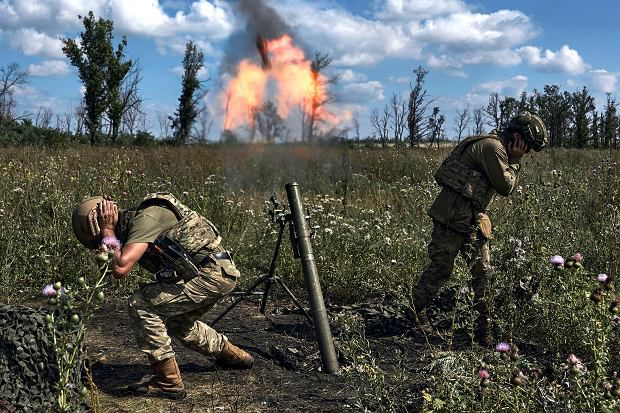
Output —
<point x="285" y="378"/>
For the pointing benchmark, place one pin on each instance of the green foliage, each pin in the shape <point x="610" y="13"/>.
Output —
<point x="187" y="111"/>
<point x="370" y="205"/>
<point x="101" y="70"/>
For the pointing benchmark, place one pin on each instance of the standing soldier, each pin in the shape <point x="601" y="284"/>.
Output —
<point x="477" y="169"/>
<point x="193" y="271"/>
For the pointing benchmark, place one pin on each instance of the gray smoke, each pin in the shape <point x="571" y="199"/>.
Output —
<point x="259" y="18"/>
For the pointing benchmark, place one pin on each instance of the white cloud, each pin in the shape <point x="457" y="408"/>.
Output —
<point x="511" y="87"/>
<point x="363" y="91"/>
<point x="565" y="60"/>
<point x="603" y="80"/>
<point x="475" y="31"/>
<point x="213" y="19"/>
<point x="352" y="40"/>
<point x="349" y="75"/>
<point x="417" y="9"/>
<point x="32" y="42"/>
<point x="176" y="45"/>
<point x="49" y="68"/>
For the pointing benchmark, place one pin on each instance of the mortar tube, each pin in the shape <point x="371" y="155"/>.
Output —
<point x="311" y="279"/>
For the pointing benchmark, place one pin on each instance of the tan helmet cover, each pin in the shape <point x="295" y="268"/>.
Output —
<point x="532" y="128"/>
<point x="84" y="222"/>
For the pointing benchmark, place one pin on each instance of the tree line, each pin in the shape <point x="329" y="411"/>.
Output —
<point x="111" y="106"/>
<point x="572" y="118"/>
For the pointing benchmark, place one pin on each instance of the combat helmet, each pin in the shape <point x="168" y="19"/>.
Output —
<point x="532" y="128"/>
<point x="84" y="222"/>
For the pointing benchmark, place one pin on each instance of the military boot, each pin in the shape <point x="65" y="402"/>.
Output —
<point x="420" y="320"/>
<point x="166" y="383"/>
<point x="232" y="356"/>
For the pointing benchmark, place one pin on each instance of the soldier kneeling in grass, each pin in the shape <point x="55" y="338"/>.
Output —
<point x="193" y="271"/>
<point x="477" y="169"/>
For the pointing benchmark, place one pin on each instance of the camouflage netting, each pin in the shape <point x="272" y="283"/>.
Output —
<point x="28" y="370"/>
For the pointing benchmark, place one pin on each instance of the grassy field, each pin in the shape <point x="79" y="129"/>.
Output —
<point x="371" y="207"/>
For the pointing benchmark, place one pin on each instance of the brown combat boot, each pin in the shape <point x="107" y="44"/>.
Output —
<point x="166" y="382"/>
<point x="420" y="320"/>
<point x="232" y="356"/>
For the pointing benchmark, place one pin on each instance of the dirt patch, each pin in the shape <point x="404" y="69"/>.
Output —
<point x="286" y="377"/>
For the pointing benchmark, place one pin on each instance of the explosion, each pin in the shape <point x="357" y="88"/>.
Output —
<point x="285" y="76"/>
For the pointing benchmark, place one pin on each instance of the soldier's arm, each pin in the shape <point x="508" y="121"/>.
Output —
<point x="501" y="171"/>
<point x="126" y="257"/>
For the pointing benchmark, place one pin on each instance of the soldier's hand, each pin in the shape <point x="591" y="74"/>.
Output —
<point x="517" y="148"/>
<point x="107" y="215"/>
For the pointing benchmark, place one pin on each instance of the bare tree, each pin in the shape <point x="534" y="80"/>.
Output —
<point x="478" y="119"/>
<point x="80" y="116"/>
<point x="318" y="99"/>
<point x="435" y="123"/>
<point x="205" y="123"/>
<point x="493" y="111"/>
<point x="417" y="120"/>
<point x="461" y="121"/>
<point x="44" y="117"/>
<point x="11" y="76"/>
<point x="130" y="102"/>
<point x="398" y="118"/>
<point x="381" y="124"/>
<point x="164" y="125"/>
<point x="68" y="120"/>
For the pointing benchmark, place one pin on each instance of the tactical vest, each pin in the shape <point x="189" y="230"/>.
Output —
<point x="459" y="177"/>
<point x="176" y="247"/>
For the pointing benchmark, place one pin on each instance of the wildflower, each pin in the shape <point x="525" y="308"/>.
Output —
<point x="48" y="291"/>
<point x="484" y="374"/>
<point x="112" y="243"/>
<point x="578" y="257"/>
<point x="615" y="319"/>
<point x="129" y="173"/>
<point x="502" y="347"/>
<point x="602" y="278"/>
<point x="557" y="261"/>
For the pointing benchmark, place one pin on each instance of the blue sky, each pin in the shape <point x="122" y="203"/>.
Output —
<point x="471" y="48"/>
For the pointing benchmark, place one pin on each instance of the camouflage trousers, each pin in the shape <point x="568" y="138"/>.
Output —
<point x="160" y="310"/>
<point x="444" y="247"/>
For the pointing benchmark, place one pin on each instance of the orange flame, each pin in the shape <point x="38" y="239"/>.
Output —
<point x="297" y="86"/>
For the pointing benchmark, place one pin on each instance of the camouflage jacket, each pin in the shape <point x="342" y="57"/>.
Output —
<point x="486" y="165"/>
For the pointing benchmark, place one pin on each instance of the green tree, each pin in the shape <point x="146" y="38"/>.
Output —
<point x="609" y="122"/>
<point x="100" y="68"/>
<point x="115" y="76"/>
<point x="582" y="104"/>
<point x="187" y="112"/>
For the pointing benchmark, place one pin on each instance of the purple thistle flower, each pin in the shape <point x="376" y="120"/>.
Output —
<point x="557" y="260"/>
<point x="602" y="278"/>
<point x="49" y="291"/>
<point x="112" y="243"/>
<point x="578" y="257"/>
<point x="615" y="318"/>
<point x="502" y="347"/>
<point x="484" y="374"/>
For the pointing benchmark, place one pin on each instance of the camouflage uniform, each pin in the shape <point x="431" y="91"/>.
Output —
<point x="458" y="213"/>
<point x="160" y="310"/>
